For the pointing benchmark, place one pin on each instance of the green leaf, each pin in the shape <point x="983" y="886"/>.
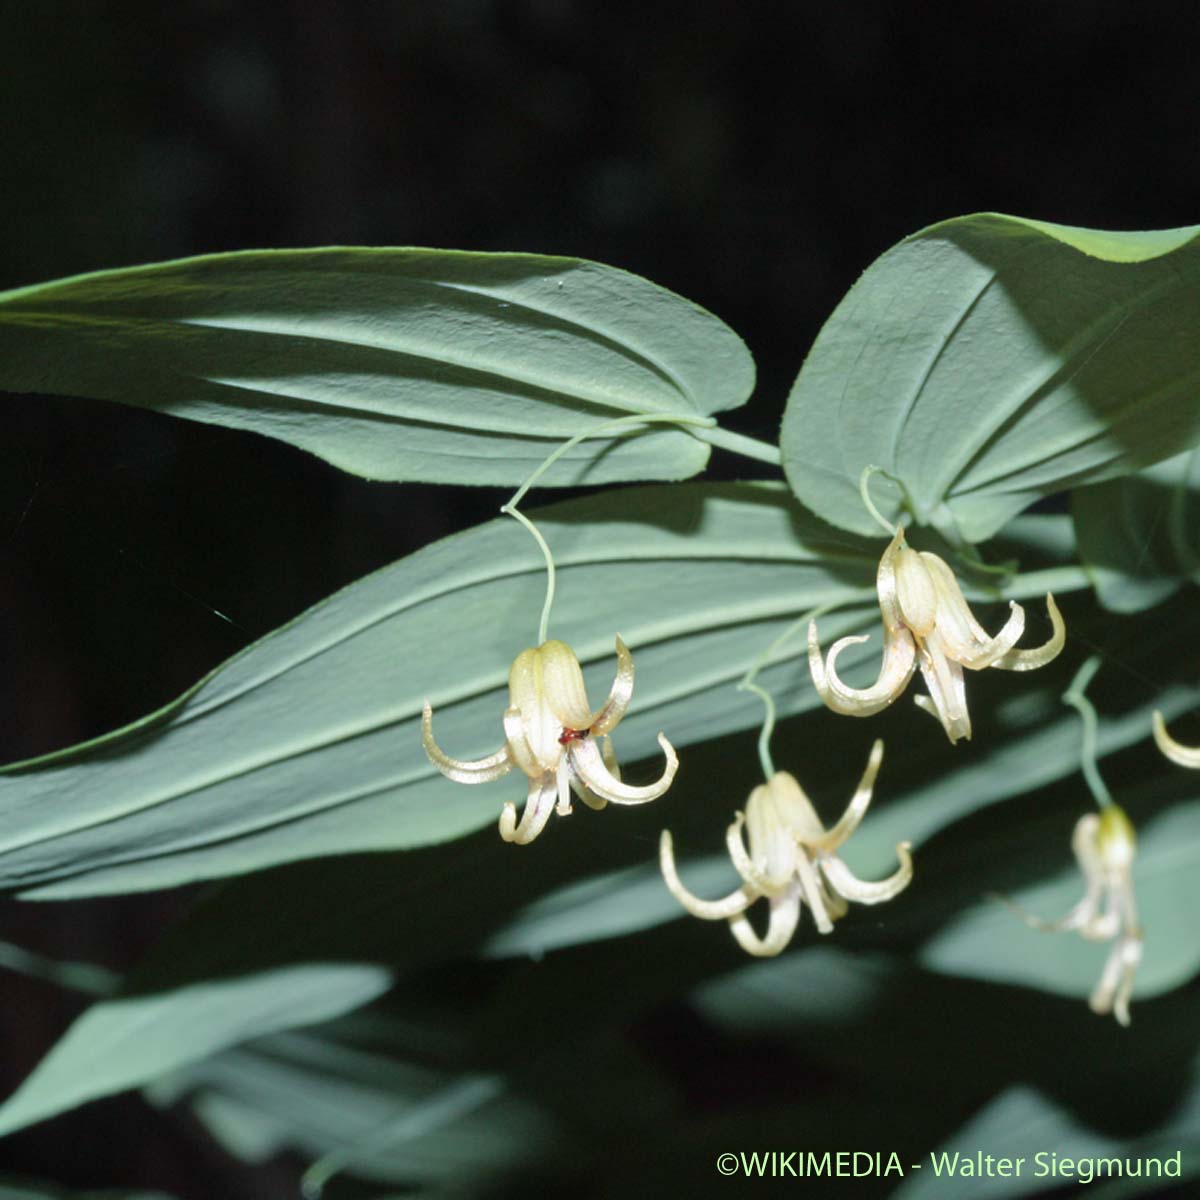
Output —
<point x="149" y="1029"/>
<point x="430" y="365"/>
<point x="372" y="1114"/>
<point x="989" y="360"/>
<point x="308" y="744"/>
<point x="1137" y="535"/>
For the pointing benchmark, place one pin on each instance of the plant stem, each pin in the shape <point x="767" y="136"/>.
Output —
<point x="548" y="604"/>
<point x="738" y="443"/>
<point x="510" y="508"/>
<point x="864" y="490"/>
<point x="747" y="683"/>
<point x="683" y="419"/>
<point x="768" y="727"/>
<point x="1074" y="696"/>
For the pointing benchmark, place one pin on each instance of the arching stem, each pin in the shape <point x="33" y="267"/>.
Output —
<point x="510" y="508"/>
<point x="763" y="661"/>
<point x="864" y="490"/>
<point x="1074" y="696"/>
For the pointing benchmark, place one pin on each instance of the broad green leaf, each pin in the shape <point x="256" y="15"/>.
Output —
<point x="989" y="360"/>
<point x="431" y="365"/>
<point x="137" y="1035"/>
<point x="988" y="941"/>
<point x="307" y="743"/>
<point x="371" y="1114"/>
<point x="1138" y="535"/>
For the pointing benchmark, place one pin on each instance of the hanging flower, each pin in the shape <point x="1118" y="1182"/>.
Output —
<point x="791" y="861"/>
<point x="1104" y="846"/>
<point x="927" y="623"/>
<point x="553" y="736"/>
<point x="1177" y="752"/>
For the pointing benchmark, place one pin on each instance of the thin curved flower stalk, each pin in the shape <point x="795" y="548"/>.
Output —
<point x="928" y="624"/>
<point x="552" y="734"/>
<point x="791" y="861"/>
<point x="1177" y="752"/>
<point x="1104" y="846"/>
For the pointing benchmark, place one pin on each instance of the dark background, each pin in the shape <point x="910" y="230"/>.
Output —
<point x="752" y="157"/>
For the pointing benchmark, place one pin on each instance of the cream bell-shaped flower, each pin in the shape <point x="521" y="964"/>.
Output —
<point x="927" y="624"/>
<point x="1104" y="846"/>
<point x="552" y="735"/>
<point x="791" y="861"/>
<point x="1177" y="752"/>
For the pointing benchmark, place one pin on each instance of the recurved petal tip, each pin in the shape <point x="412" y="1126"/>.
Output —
<point x="849" y="821"/>
<point x="1177" y="752"/>
<point x="848" y="885"/>
<point x="785" y="915"/>
<point x="896" y="669"/>
<point x="539" y="804"/>
<point x="609" y="717"/>
<point x="508" y="821"/>
<point x="479" y="770"/>
<point x="590" y="768"/>
<point x="1039" y="656"/>
<point x="709" y="910"/>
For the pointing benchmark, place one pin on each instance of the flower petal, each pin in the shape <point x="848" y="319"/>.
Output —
<point x="916" y="591"/>
<point x="518" y="744"/>
<point x="1100" y="926"/>
<point x="562" y="787"/>
<point x="947" y="699"/>
<point x="773" y="812"/>
<point x="899" y="660"/>
<point x="847" y="884"/>
<point x="963" y="638"/>
<point x="1079" y="914"/>
<point x="479" y="770"/>
<point x="614" y="708"/>
<point x="1038" y="656"/>
<point x="1113" y="991"/>
<point x="581" y="789"/>
<point x="709" y="910"/>
<point x="589" y="767"/>
<point x="849" y="820"/>
<point x="744" y="864"/>
<point x="815" y="896"/>
<point x="886" y="586"/>
<point x="1177" y="752"/>
<point x="562" y="681"/>
<point x="539" y="804"/>
<point x="1085" y="844"/>
<point x="785" y="915"/>
<point x="527" y="694"/>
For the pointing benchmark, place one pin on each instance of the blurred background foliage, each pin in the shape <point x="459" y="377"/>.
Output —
<point x="754" y="159"/>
